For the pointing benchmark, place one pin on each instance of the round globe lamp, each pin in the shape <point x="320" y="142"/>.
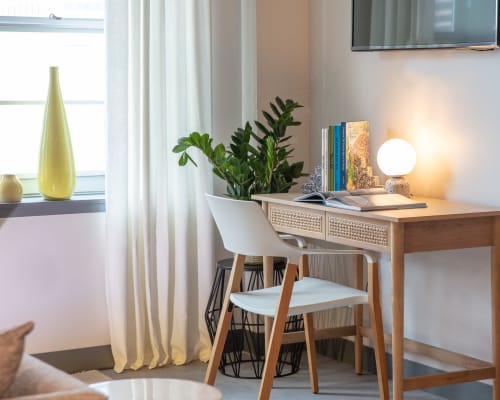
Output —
<point x="396" y="158"/>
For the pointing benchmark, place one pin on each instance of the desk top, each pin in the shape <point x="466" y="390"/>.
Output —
<point x="436" y="209"/>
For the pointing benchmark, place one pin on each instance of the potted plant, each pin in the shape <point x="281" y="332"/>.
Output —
<point x="253" y="162"/>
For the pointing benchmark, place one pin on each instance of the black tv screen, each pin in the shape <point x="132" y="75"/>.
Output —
<point x="414" y="24"/>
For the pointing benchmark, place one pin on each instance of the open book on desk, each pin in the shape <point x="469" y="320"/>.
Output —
<point x="362" y="200"/>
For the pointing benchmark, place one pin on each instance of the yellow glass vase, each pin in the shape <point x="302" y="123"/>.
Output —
<point x="56" y="169"/>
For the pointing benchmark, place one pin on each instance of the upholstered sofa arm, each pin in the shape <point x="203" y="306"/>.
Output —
<point x="37" y="380"/>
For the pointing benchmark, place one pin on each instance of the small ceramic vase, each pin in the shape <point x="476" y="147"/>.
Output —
<point x="11" y="189"/>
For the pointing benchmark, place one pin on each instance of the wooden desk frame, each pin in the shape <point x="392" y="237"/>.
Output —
<point x="443" y="225"/>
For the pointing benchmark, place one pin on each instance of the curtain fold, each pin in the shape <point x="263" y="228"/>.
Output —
<point x="159" y="232"/>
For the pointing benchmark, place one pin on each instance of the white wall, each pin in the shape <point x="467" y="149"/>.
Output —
<point x="52" y="272"/>
<point x="446" y="103"/>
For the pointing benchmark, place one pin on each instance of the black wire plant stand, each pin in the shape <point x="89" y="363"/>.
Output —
<point x="243" y="354"/>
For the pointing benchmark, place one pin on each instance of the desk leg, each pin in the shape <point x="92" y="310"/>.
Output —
<point x="397" y="263"/>
<point x="358" y="317"/>
<point x="495" y="307"/>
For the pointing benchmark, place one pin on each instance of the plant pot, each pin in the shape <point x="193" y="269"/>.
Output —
<point x="254" y="260"/>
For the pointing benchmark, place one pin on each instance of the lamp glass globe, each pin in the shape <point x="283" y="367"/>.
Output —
<point x="396" y="157"/>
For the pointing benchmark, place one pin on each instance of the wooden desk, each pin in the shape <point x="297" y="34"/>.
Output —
<point x="443" y="225"/>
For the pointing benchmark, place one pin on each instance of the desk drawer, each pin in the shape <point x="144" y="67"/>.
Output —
<point x="358" y="232"/>
<point x="297" y="220"/>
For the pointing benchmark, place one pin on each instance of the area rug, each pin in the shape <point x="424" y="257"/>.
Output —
<point x="91" y="376"/>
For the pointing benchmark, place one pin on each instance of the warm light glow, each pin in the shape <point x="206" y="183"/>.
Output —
<point x="396" y="157"/>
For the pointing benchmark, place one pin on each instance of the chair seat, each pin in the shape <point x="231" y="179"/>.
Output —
<point x="309" y="295"/>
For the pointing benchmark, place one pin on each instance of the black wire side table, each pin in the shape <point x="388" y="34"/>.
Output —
<point x="243" y="354"/>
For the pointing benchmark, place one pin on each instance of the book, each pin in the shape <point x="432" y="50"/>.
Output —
<point x="362" y="200"/>
<point x="342" y="157"/>
<point x="325" y="156"/>
<point x="357" y="155"/>
<point x="337" y="158"/>
<point x="331" y="170"/>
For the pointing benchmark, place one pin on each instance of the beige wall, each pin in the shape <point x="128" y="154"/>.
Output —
<point x="446" y="103"/>
<point x="283" y="63"/>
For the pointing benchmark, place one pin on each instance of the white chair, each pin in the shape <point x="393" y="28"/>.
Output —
<point x="245" y="230"/>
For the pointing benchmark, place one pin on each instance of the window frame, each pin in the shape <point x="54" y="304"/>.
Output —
<point x="87" y="183"/>
<point x="51" y="24"/>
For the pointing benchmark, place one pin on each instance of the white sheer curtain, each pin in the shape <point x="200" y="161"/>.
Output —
<point x="159" y="233"/>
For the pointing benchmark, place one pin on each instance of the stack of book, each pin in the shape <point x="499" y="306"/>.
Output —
<point x="345" y="157"/>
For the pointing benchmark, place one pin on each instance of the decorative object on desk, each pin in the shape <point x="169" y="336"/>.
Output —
<point x="249" y="169"/>
<point x="315" y="181"/>
<point x="56" y="171"/>
<point x="11" y="189"/>
<point x="397" y="158"/>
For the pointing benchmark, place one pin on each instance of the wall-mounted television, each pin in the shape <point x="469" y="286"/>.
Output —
<point x="424" y="24"/>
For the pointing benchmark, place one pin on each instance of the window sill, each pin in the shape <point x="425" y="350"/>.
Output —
<point x="37" y="206"/>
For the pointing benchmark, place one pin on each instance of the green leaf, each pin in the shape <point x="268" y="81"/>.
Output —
<point x="262" y="128"/>
<point x="281" y="104"/>
<point x="219" y="154"/>
<point x="275" y="109"/>
<point x="270" y="120"/>
<point x="194" y="138"/>
<point x="184" y="158"/>
<point x="180" y="148"/>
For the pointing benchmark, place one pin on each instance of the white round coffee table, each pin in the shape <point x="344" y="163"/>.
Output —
<point x="157" y="389"/>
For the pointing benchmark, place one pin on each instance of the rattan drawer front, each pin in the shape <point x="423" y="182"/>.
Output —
<point x="358" y="232"/>
<point x="298" y="221"/>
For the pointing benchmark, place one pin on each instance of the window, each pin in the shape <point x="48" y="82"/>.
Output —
<point x="35" y="35"/>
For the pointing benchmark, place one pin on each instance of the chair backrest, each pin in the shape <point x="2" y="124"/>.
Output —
<point x="245" y="229"/>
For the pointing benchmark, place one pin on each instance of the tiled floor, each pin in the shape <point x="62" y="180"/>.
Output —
<point x="337" y="381"/>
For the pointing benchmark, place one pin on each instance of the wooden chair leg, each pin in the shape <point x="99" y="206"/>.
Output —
<point x="358" y="340"/>
<point x="378" y="330"/>
<point x="311" y="351"/>
<point x="309" y="332"/>
<point x="277" y="332"/>
<point x="224" y="319"/>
